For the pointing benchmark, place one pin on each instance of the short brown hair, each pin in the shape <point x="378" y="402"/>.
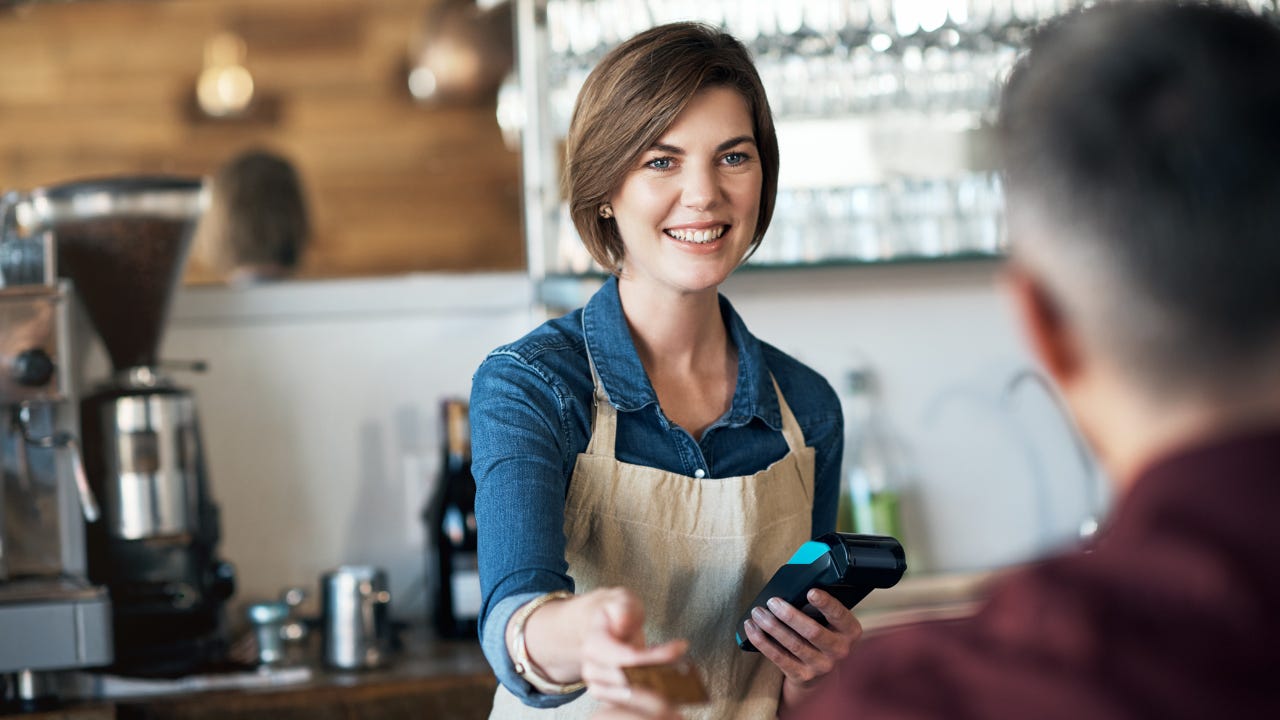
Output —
<point x="632" y="97"/>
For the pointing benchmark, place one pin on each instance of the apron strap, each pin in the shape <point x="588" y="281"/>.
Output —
<point x="790" y="426"/>
<point x="604" y="417"/>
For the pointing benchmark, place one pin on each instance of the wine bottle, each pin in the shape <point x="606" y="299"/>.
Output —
<point x="457" y="601"/>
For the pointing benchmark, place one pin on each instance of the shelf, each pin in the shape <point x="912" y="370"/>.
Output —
<point x="967" y="257"/>
<point x="873" y="150"/>
<point x="571" y="290"/>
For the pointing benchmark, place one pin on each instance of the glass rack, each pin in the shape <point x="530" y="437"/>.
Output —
<point x="883" y="108"/>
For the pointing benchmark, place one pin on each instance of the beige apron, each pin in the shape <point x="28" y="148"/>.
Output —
<point x="696" y="551"/>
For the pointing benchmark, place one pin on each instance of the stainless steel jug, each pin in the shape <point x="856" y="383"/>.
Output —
<point x="357" y="622"/>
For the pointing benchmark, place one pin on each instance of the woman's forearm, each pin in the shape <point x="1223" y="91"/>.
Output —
<point x="590" y="637"/>
<point x="553" y="639"/>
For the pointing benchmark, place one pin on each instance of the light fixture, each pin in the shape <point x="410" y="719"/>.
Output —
<point x="462" y="53"/>
<point x="225" y="87"/>
<point x="510" y="111"/>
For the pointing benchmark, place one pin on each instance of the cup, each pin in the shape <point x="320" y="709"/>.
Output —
<point x="279" y="634"/>
<point x="268" y="620"/>
<point x="356" y="617"/>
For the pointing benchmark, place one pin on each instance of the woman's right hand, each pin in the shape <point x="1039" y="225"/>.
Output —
<point x="614" y="638"/>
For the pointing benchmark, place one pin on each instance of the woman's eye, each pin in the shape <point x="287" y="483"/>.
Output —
<point x="659" y="163"/>
<point x="736" y="158"/>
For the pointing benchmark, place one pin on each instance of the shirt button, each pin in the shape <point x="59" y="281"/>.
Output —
<point x="699" y="473"/>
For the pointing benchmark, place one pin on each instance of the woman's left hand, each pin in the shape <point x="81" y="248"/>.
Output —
<point x="800" y="646"/>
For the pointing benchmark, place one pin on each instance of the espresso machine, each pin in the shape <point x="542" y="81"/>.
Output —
<point x="122" y="243"/>
<point x="53" y="619"/>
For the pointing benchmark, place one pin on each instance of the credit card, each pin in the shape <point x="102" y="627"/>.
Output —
<point x="678" y="683"/>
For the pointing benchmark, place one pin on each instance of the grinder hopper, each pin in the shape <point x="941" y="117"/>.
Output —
<point x="123" y="242"/>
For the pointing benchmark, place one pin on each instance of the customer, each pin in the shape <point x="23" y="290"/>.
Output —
<point x="1142" y="166"/>
<point x="256" y="226"/>
<point x="647" y="450"/>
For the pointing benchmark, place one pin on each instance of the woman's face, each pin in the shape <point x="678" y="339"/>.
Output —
<point x="687" y="211"/>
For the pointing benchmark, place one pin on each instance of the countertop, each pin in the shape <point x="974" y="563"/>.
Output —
<point x="919" y="598"/>
<point x="445" y="680"/>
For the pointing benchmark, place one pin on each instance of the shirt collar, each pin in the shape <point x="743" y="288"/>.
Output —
<point x="610" y="346"/>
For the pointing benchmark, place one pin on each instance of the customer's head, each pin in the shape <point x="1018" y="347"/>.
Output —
<point x="632" y="97"/>
<point x="1141" y="145"/>
<point x="257" y="219"/>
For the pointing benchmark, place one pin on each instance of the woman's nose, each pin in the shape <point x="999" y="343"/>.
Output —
<point x="701" y="189"/>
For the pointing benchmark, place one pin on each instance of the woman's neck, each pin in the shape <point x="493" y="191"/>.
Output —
<point x="675" y="332"/>
<point x="686" y="352"/>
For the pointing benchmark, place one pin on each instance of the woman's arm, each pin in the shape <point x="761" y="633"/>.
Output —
<point x="524" y="446"/>
<point x="591" y="637"/>
<point x="520" y="439"/>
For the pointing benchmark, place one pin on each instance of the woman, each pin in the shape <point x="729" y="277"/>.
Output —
<point x="647" y="450"/>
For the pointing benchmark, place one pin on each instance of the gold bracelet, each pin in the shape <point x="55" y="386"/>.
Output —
<point x="525" y="666"/>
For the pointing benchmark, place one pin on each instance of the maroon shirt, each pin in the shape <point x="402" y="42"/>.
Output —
<point x="1174" y="614"/>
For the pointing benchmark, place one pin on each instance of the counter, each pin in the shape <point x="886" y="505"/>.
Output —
<point x="445" y="680"/>
<point x="926" y="597"/>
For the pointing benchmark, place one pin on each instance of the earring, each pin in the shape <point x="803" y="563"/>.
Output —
<point x="606" y="211"/>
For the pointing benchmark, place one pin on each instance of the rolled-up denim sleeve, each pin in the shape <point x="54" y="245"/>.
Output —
<point x="494" y="644"/>
<point x="521" y="460"/>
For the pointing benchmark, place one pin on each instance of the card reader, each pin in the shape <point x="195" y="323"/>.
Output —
<point x="847" y="565"/>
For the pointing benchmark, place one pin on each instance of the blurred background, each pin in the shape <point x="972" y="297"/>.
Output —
<point x="419" y="147"/>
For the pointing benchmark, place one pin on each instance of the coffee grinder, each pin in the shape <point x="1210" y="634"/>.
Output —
<point x="123" y="243"/>
<point x="52" y="618"/>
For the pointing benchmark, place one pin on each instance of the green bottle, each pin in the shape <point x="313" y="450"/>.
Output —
<point x="869" y="493"/>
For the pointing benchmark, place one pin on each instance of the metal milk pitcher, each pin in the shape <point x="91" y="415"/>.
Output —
<point x="356" y="613"/>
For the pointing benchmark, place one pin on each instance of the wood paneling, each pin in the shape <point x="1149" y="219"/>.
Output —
<point x="105" y="88"/>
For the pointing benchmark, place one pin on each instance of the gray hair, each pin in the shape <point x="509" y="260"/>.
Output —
<point x="1142" y="165"/>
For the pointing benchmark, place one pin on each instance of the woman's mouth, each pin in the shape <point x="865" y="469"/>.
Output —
<point x="697" y="237"/>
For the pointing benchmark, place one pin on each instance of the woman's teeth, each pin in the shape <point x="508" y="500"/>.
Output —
<point x="697" y="236"/>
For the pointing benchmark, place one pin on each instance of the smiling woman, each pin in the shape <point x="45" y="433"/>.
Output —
<point x="393" y="186"/>
<point x="652" y="418"/>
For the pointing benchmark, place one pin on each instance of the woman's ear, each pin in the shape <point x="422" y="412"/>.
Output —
<point x="1052" y="338"/>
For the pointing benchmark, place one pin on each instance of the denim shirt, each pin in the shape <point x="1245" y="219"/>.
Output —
<point x="531" y="414"/>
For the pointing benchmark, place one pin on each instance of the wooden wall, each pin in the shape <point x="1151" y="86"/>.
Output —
<point x="107" y="87"/>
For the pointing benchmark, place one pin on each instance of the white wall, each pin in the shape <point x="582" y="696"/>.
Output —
<point x="996" y="477"/>
<point x="320" y="414"/>
<point x="320" y="407"/>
